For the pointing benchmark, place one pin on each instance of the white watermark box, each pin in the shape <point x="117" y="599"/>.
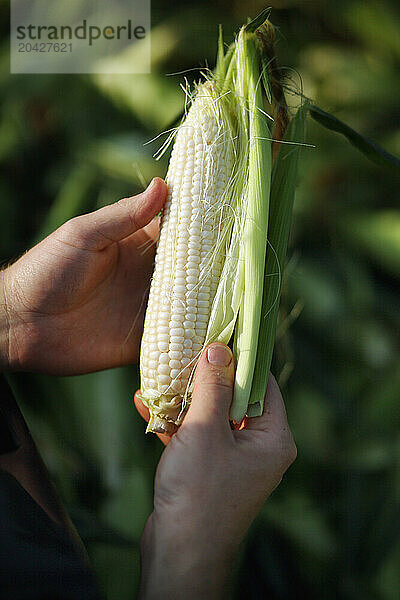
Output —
<point x="80" y="36"/>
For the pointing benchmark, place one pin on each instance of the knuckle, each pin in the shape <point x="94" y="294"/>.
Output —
<point x="122" y="202"/>
<point x="218" y="383"/>
<point x="72" y="227"/>
<point x="68" y="226"/>
<point x="79" y="231"/>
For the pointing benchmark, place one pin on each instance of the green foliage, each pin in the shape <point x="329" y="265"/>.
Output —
<point x="69" y="144"/>
<point x="371" y="150"/>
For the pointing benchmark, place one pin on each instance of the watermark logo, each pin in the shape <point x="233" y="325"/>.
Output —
<point x="87" y="36"/>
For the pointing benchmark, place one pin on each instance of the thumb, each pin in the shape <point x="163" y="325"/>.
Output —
<point x="117" y="221"/>
<point x="213" y="388"/>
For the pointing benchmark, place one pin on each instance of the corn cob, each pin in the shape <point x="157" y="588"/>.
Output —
<point x="188" y="268"/>
<point x="212" y="278"/>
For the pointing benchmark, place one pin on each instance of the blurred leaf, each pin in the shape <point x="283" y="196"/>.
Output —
<point x="377" y="25"/>
<point x="350" y="79"/>
<point x="155" y="99"/>
<point x="13" y="132"/>
<point x="70" y="202"/>
<point x="312" y="421"/>
<point x="372" y="455"/>
<point x="381" y="401"/>
<point x="377" y="234"/>
<point x="126" y="157"/>
<point x="387" y="581"/>
<point x="92" y="530"/>
<point x="304" y="523"/>
<point x="318" y="290"/>
<point x="8" y="214"/>
<point x="128" y="509"/>
<point x="360" y="292"/>
<point x="103" y="415"/>
<point x="369" y="148"/>
<point x="117" y="571"/>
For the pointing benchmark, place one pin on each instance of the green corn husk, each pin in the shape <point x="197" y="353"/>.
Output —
<point x="254" y="240"/>
<point x="267" y="217"/>
<point x="284" y="177"/>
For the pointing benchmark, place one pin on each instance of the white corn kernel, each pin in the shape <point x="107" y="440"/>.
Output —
<point x="186" y="272"/>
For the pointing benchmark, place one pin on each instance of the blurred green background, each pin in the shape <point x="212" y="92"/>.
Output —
<point x="69" y="144"/>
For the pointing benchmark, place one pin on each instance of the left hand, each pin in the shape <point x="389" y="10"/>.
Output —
<point x="75" y="302"/>
<point x="210" y="484"/>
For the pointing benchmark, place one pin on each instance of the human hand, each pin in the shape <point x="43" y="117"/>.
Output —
<point x="210" y="484"/>
<point x="75" y="302"/>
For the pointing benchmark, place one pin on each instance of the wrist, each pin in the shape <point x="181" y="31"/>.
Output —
<point x="180" y="560"/>
<point x="4" y="325"/>
<point x="8" y="325"/>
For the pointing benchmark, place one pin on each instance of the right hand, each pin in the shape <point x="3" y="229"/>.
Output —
<point x="210" y="484"/>
<point x="75" y="302"/>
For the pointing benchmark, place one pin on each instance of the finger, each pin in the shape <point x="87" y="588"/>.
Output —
<point x="141" y="408"/>
<point x="274" y="414"/>
<point x="144" y="412"/>
<point x="273" y="425"/>
<point x="117" y="221"/>
<point x="213" y="389"/>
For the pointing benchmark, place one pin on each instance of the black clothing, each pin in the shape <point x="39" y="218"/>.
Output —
<point x="41" y="557"/>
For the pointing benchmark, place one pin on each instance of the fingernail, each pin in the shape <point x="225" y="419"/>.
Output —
<point x="151" y="184"/>
<point x="219" y="356"/>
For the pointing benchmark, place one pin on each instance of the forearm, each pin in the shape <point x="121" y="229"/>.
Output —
<point x="177" y="564"/>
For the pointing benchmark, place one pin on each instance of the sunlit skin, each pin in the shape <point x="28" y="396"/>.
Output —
<point x="210" y="484"/>
<point x="75" y="302"/>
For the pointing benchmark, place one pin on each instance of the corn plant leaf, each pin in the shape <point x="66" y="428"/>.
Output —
<point x="369" y="148"/>
<point x="284" y="177"/>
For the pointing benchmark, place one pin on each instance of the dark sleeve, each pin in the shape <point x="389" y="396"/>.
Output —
<point x="37" y="559"/>
<point x="41" y="555"/>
